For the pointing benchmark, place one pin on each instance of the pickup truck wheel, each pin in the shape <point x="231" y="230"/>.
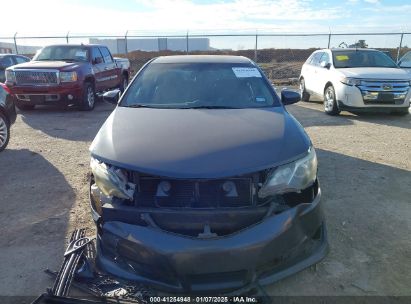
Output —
<point x="305" y="96"/>
<point x="25" y="107"/>
<point x="89" y="97"/>
<point x="330" y="102"/>
<point x="4" y="132"/>
<point x="124" y="84"/>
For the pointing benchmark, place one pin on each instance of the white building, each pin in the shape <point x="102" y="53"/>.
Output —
<point x="9" y="48"/>
<point x="118" y="46"/>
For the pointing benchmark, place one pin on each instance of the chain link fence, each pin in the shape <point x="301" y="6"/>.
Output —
<point x="279" y="55"/>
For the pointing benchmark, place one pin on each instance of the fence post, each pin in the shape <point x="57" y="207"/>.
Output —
<point x="15" y="43"/>
<point x="67" y="37"/>
<point x="329" y="40"/>
<point x="256" y="47"/>
<point x="187" y="43"/>
<point x="399" y="47"/>
<point x="125" y="42"/>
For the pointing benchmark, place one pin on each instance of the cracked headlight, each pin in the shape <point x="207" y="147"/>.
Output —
<point x="111" y="181"/>
<point x="291" y="177"/>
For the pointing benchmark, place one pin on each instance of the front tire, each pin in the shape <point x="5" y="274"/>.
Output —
<point x="4" y="132"/>
<point x="305" y="96"/>
<point x="89" y="97"/>
<point x="330" y="101"/>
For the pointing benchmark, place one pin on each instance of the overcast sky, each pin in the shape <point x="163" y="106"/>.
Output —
<point x="42" y="17"/>
<point x="162" y="17"/>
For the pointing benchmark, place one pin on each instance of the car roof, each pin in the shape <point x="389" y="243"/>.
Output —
<point x="203" y="59"/>
<point x="353" y="49"/>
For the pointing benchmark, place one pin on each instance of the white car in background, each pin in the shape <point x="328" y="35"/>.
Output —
<point x="355" y="80"/>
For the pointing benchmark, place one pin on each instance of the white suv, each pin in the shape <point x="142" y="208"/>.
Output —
<point x="355" y="80"/>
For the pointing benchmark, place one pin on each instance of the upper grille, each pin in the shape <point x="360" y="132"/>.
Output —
<point x="384" y="91"/>
<point x="194" y="193"/>
<point x="36" y="77"/>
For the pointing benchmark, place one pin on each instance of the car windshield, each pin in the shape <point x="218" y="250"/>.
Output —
<point x="199" y="85"/>
<point x="62" y="52"/>
<point x="362" y="59"/>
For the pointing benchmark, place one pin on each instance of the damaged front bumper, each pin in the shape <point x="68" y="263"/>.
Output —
<point x="134" y="248"/>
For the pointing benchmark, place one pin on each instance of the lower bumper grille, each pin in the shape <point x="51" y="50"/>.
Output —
<point x="194" y="193"/>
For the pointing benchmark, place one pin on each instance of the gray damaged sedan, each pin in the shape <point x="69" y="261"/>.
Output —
<point x="202" y="181"/>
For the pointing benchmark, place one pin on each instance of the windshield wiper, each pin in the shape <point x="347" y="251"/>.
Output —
<point x="137" y="106"/>
<point x="209" y="107"/>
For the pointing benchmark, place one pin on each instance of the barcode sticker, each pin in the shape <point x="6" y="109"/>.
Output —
<point x="241" y="72"/>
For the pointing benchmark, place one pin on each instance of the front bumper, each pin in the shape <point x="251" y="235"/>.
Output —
<point x="47" y="95"/>
<point x="351" y="98"/>
<point x="263" y="253"/>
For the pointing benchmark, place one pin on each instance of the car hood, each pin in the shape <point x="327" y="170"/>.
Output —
<point x="59" y="65"/>
<point x="375" y="73"/>
<point x="199" y="143"/>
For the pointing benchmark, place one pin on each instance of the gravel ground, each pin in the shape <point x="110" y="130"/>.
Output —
<point x="364" y="170"/>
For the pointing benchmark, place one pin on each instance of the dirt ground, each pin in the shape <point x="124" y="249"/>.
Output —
<point x="364" y="170"/>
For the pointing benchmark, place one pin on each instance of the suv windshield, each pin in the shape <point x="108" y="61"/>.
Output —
<point x="199" y="85"/>
<point x="63" y="52"/>
<point x="361" y="59"/>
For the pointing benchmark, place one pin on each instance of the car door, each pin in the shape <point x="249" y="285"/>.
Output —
<point x="110" y="69"/>
<point x="322" y="74"/>
<point x="98" y="66"/>
<point x="5" y="62"/>
<point x="310" y="73"/>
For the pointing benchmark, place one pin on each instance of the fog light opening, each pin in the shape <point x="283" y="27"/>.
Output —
<point x="229" y="189"/>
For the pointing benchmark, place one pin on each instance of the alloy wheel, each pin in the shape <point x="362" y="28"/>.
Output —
<point x="4" y="133"/>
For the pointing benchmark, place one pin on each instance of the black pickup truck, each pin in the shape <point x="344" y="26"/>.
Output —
<point x="67" y="74"/>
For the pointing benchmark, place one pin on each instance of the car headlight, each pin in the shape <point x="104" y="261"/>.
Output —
<point x="111" y="181"/>
<point x="291" y="177"/>
<point x="10" y="76"/>
<point x="68" y="76"/>
<point x="351" y="81"/>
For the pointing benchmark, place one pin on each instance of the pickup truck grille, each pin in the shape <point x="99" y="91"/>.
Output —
<point x="36" y="77"/>
<point x="384" y="91"/>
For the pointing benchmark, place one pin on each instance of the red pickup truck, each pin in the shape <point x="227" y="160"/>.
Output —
<point x="66" y="74"/>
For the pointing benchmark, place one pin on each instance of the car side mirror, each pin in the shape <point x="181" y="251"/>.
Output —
<point x="112" y="96"/>
<point x="289" y="97"/>
<point x="97" y="60"/>
<point x="325" y="65"/>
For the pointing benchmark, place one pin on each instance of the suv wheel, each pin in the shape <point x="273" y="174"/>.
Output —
<point x="330" y="102"/>
<point x="89" y="97"/>
<point x="305" y="96"/>
<point x="4" y="132"/>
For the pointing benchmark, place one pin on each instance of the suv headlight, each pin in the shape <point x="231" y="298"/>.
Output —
<point x="111" y="181"/>
<point x="351" y="81"/>
<point x="291" y="177"/>
<point x="10" y="76"/>
<point x="68" y="76"/>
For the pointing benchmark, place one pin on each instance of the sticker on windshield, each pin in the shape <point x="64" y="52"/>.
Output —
<point x="342" y="57"/>
<point x="260" y="99"/>
<point x="81" y="54"/>
<point x="241" y="72"/>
